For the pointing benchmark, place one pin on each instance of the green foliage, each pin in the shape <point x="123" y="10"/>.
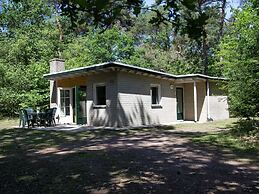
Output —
<point x="158" y="59"/>
<point x="33" y="31"/>
<point x="161" y="48"/>
<point x="98" y="13"/>
<point x="187" y="16"/>
<point x="28" y="39"/>
<point x="111" y="45"/>
<point x="239" y="53"/>
<point x="23" y="88"/>
<point x="242" y="136"/>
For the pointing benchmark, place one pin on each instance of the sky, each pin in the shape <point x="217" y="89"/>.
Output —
<point x="230" y="4"/>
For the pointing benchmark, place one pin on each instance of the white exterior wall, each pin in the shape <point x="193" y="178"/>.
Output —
<point x="218" y="103"/>
<point x="189" y="101"/>
<point x="53" y="94"/>
<point x="54" y="99"/>
<point x="134" y="101"/>
<point x="129" y="101"/>
<point x="202" y="102"/>
<point x="218" y="107"/>
<point x="102" y="116"/>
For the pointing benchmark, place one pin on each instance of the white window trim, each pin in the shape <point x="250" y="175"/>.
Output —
<point x="59" y="104"/>
<point x="159" y="94"/>
<point x="95" y="97"/>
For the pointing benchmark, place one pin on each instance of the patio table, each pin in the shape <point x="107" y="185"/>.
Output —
<point x="41" y="118"/>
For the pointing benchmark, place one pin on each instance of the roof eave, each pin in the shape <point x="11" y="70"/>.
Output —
<point x="78" y="71"/>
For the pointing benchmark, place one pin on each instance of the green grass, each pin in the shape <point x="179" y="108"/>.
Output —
<point x="242" y="137"/>
<point x="8" y="123"/>
<point x="221" y="124"/>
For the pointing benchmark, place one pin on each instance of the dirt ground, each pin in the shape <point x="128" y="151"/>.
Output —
<point x="133" y="161"/>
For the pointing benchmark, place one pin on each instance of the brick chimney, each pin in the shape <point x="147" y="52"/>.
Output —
<point x="57" y="65"/>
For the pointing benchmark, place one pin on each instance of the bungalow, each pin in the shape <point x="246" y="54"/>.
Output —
<point x="116" y="94"/>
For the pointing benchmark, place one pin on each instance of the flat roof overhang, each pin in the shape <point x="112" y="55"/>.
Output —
<point x="116" y="66"/>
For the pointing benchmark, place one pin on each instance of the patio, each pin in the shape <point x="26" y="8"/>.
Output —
<point x="182" y="126"/>
<point x="70" y="128"/>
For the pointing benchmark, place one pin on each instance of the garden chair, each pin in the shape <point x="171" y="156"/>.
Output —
<point x="54" y="110"/>
<point x="42" y="118"/>
<point x="50" y="116"/>
<point x="22" y="118"/>
<point x="27" y="117"/>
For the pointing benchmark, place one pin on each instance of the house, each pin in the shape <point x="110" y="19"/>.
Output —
<point x="116" y="94"/>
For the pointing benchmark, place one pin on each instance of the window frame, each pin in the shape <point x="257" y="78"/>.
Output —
<point x="63" y="99"/>
<point x="158" y="86"/>
<point x="95" y="85"/>
<point x="63" y="117"/>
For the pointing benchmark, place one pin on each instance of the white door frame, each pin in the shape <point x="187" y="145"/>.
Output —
<point x="182" y="87"/>
<point x="63" y="118"/>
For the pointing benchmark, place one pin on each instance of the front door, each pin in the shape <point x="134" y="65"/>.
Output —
<point x="81" y="102"/>
<point x="179" y="100"/>
<point x="65" y="105"/>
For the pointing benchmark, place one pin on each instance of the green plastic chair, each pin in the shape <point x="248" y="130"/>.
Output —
<point x="22" y="118"/>
<point x="50" y="116"/>
<point x="27" y="117"/>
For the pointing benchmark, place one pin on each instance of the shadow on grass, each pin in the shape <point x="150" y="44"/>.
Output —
<point x="242" y="138"/>
<point x="123" y="161"/>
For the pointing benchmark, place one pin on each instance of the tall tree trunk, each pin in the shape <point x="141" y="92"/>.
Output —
<point x="222" y="20"/>
<point x="204" y="44"/>
<point x="61" y="35"/>
<point x="205" y="60"/>
<point x="60" y="28"/>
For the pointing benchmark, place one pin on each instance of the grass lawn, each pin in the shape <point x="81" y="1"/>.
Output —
<point x="8" y="123"/>
<point x="208" y="126"/>
<point x="241" y="137"/>
<point x="155" y="160"/>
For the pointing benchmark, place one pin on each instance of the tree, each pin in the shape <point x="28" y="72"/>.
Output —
<point x="161" y="47"/>
<point x="239" y="57"/>
<point x="93" y="48"/>
<point x="167" y="36"/>
<point x="189" y="15"/>
<point x="28" y="39"/>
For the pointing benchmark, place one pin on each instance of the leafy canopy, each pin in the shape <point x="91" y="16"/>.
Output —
<point x="239" y="54"/>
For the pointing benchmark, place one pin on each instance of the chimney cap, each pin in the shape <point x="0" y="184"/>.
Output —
<point x="57" y="59"/>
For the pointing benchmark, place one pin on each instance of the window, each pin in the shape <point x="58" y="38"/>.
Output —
<point x="65" y="102"/>
<point x="100" y="94"/>
<point x="155" y="94"/>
